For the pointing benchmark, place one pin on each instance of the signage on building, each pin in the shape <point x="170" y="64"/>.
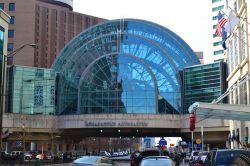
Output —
<point x="115" y="124"/>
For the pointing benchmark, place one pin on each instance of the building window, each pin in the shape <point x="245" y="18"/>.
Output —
<point x="12" y="20"/>
<point x="219" y="60"/>
<point x="218" y="8"/>
<point x="217" y="43"/>
<point x="11" y="33"/>
<point x="38" y="95"/>
<point x="218" y="52"/>
<point x="215" y="17"/>
<point x="244" y="93"/>
<point x="236" y="51"/>
<point x="2" y="6"/>
<point x="52" y="95"/>
<point x="231" y="57"/>
<point x="12" y="7"/>
<point x="235" y="6"/>
<point x="214" y="1"/>
<point x="214" y="26"/>
<point x="10" y="47"/>
<point x="243" y="42"/>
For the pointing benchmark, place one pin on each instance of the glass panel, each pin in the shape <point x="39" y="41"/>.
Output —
<point x="12" y="7"/>
<point x="120" y="67"/>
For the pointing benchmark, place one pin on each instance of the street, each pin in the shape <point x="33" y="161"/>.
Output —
<point x="117" y="163"/>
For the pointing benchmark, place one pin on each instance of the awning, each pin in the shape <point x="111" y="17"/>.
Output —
<point x="221" y="111"/>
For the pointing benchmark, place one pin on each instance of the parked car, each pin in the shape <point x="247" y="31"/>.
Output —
<point x="28" y="156"/>
<point x="157" y="161"/>
<point x="200" y="159"/>
<point x="104" y="153"/>
<point x="93" y="161"/>
<point x="193" y="157"/>
<point x="17" y="154"/>
<point x="5" y="155"/>
<point x="136" y="159"/>
<point x="228" y="157"/>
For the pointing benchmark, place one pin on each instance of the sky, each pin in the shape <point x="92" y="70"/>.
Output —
<point x="190" y="19"/>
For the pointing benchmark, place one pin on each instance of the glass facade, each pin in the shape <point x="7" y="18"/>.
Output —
<point x="122" y="66"/>
<point x="31" y="90"/>
<point x="203" y="83"/>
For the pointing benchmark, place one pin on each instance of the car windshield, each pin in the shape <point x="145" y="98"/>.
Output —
<point x="87" y="159"/>
<point x="195" y="153"/>
<point x="156" y="162"/>
<point x="204" y="153"/>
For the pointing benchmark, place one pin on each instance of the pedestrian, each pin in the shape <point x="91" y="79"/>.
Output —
<point x="177" y="159"/>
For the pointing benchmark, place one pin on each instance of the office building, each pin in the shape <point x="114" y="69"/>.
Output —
<point x="31" y="90"/>
<point x="203" y="83"/>
<point x="48" y="23"/>
<point x="217" y="51"/>
<point x="239" y="69"/>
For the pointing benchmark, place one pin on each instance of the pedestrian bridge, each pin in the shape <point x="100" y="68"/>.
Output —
<point x="116" y="125"/>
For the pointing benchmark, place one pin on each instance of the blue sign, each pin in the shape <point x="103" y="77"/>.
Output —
<point x="162" y="142"/>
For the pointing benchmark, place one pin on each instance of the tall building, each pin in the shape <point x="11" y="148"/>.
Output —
<point x="4" y="25"/>
<point x="237" y="54"/>
<point x="203" y="83"/>
<point x="217" y="52"/>
<point x="48" y="23"/>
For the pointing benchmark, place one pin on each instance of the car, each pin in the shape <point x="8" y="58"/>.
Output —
<point x="28" y="156"/>
<point x="93" y="161"/>
<point x="136" y="159"/>
<point x="157" y="161"/>
<point x="104" y="153"/>
<point x="227" y="157"/>
<point x="17" y="154"/>
<point x="5" y="155"/>
<point x="200" y="159"/>
<point x="193" y="157"/>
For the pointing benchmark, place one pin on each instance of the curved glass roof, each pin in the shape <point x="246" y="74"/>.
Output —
<point x="122" y="66"/>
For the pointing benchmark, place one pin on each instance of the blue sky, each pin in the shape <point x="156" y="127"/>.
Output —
<point x="190" y="19"/>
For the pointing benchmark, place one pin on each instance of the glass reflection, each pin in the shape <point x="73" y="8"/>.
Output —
<point x="123" y="66"/>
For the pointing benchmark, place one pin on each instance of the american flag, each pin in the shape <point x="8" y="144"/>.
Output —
<point x="221" y="22"/>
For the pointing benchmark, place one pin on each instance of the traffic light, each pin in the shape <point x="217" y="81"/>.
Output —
<point x="192" y="121"/>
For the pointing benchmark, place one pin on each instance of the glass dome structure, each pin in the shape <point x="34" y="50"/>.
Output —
<point x="122" y="66"/>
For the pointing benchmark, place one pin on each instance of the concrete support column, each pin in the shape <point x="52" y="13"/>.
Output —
<point x="242" y="132"/>
<point x="32" y="146"/>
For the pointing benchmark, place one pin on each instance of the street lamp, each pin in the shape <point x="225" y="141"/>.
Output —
<point x="23" y="137"/>
<point x="3" y="82"/>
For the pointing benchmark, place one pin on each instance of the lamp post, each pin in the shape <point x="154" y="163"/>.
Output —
<point x="3" y="82"/>
<point x="23" y="127"/>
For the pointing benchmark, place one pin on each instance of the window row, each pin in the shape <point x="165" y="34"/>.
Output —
<point x="12" y="6"/>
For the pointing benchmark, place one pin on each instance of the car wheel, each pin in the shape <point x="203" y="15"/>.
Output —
<point x="27" y="158"/>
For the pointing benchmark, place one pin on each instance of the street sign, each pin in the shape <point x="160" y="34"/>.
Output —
<point x="162" y="142"/>
<point x="198" y="141"/>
